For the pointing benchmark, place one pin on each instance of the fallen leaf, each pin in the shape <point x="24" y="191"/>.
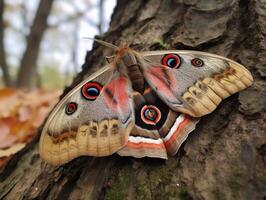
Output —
<point x="24" y="113"/>
<point x="9" y="101"/>
<point x="6" y="139"/>
<point x="21" y="113"/>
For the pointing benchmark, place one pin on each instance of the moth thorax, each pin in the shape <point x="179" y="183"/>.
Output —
<point x="134" y="72"/>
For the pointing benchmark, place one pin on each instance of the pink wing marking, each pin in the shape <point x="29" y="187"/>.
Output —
<point x="141" y="142"/>
<point x="139" y="147"/>
<point x="162" y="79"/>
<point x="176" y="129"/>
<point x="116" y="94"/>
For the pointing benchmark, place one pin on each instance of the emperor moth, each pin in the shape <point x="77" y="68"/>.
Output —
<point x="141" y="104"/>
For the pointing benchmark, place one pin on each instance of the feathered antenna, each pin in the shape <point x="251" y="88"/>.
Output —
<point x="107" y="44"/>
<point x="112" y="46"/>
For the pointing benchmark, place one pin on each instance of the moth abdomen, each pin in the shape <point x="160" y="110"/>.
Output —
<point x="130" y="64"/>
<point x="136" y="77"/>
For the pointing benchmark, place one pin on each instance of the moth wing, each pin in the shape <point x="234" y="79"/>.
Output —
<point x="95" y="118"/>
<point x="144" y="139"/>
<point x="193" y="82"/>
<point x="176" y="131"/>
<point x="158" y="131"/>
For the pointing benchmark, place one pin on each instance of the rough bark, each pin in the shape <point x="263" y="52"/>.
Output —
<point x="3" y="63"/>
<point x="224" y="158"/>
<point x="28" y="62"/>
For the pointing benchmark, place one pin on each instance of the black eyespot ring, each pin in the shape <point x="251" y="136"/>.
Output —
<point x="71" y="107"/>
<point x="171" y="60"/>
<point x="150" y="114"/>
<point x="197" y="62"/>
<point x="91" y="90"/>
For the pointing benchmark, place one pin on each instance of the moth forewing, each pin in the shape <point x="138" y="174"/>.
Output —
<point x="82" y="121"/>
<point x="200" y="79"/>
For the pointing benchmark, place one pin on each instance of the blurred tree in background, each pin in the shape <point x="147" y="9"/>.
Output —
<point x="28" y="62"/>
<point x="37" y="34"/>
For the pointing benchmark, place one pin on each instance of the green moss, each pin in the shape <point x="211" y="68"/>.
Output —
<point x="160" y="45"/>
<point x="149" y="181"/>
<point x="160" y="179"/>
<point x="143" y="186"/>
<point x="119" y="187"/>
<point x="164" y="183"/>
<point x="183" y="194"/>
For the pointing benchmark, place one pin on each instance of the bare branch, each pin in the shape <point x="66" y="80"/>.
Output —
<point x="29" y="59"/>
<point x="101" y="16"/>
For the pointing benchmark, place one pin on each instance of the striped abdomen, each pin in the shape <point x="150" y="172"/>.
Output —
<point x="136" y="77"/>
<point x="129" y="61"/>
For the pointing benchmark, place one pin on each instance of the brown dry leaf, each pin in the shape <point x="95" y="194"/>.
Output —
<point x="20" y="114"/>
<point x="41" y="115"/>
<point x="4" y="92"/>
<point x="9" y="101"/>
<point x="41" y="98"/>
<point x="6" y="139"/>
<point x="24" y="113"/>
<point x="23" y="131"/>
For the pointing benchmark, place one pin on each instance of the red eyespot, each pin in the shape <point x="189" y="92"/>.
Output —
<point x="71" y="107"/>
<point x="197" y="62"/>
<point x="91" y="90"/>
<point x="150" y="114"/>
<point x="171" y="60"/>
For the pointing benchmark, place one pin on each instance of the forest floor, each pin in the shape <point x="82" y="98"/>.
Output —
<point x="21" y="113"/>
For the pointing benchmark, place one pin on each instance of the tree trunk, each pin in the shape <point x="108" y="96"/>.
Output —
<point x="224" y="158"/>
<point x="3" y="63"/>
<point x="30" y="56"/>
